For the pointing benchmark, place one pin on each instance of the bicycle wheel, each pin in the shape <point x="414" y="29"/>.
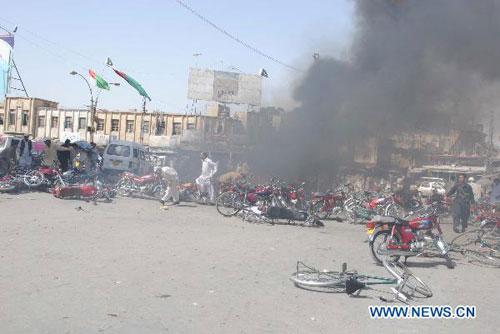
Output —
<point x="228" y="203"/>
<point x="408" y="283"/>
<point x="490" y="237"/>
<point x="309" y="278"/>
<point x="465" y="239"/>
<point x="483" y="257"/>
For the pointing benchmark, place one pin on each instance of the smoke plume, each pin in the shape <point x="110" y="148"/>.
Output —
<point x="412" y="64"/>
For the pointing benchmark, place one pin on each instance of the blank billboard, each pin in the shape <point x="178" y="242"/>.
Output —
<point x="225" y="87"/>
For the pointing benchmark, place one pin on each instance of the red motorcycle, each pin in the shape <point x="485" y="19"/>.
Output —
<point x="188" y="192"/>
<point x="395" y="237"/>
<point x="241" y="195"/>
<point x="323" y="205"/>
<point x="87" y="192"/>
<point x="295" y="195"/>
<point x="151" y="185"/>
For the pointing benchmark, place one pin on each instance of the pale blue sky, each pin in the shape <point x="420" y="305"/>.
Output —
<point x="154" y="40"/>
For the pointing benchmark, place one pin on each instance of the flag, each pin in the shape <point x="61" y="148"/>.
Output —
<point x="132" y="82"/>
<point x="6" y="46"/>
<point x="98" y="80"/>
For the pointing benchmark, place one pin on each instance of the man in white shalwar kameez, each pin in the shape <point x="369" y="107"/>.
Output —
<point x="205" y="180"/>
<point x="171" y="178"/>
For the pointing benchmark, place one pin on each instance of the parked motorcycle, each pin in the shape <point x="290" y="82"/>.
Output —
<point x="324" y="205"/>
<point x="188" y="192"/>
<point x="394" y="237"/>
<point x="150" y="185"/>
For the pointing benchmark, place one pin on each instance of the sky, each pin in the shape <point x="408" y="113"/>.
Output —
<point x="154" y="42"/>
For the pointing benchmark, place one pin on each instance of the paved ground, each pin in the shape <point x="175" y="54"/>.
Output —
<point x="129" y="267"/>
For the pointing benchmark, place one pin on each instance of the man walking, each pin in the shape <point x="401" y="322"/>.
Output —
<point x="24" y="152"/>
<point x="464" y="197"/>
<point x="171" y="179"/>
<point x="204" y="181"/>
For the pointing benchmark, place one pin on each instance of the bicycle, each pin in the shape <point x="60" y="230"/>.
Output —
<point x="478" y="246"/>
<point x="408" y="286"/>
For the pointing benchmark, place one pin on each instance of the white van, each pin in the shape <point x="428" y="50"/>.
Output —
<point x="127" y="156"/>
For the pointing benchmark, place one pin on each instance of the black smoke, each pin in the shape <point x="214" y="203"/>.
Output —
<point x="412" y="65"/>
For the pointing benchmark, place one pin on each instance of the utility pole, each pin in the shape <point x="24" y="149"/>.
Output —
<point x="491" y="130"/>
<point x="142" y="119"/>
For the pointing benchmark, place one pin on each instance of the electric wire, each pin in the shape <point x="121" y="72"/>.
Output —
<point x="234" y="37"/>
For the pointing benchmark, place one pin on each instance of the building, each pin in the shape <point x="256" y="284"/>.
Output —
<point x="20" y="114"/>
<point x="416" y="148"/>
<point x="43" y="119"/>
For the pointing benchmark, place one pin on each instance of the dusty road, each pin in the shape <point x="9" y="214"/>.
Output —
<point x="129" y="267"/>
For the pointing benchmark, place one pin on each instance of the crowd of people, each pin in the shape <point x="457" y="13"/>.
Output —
<point x="69" y="154"/>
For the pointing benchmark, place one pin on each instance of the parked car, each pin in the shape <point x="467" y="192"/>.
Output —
<point x="426" y="188"/>
<point x="8" y="146"/>
<point x="125" y="156"/>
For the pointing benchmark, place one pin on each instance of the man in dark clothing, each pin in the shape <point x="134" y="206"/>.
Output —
<point x="464" y="197"/>
<point x="64" y="155"/>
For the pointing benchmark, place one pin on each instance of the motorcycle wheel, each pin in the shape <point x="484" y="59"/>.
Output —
<point x="122" y="188"/>
<point x="228" y="203"/>
<point x="380" y="239"/>
<point x="7" y="187"/>
<point x="33" y="179"/>
<point x="394" y="210"/>
<point x="157" y="192"/>
<point x="319" y="210"/>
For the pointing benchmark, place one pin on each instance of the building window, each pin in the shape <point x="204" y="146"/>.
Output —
<point x="191" y="126"/>
<point x="12" y="117"/>
<point x="1" y="119"/>
<point x="54" y="122"/>
<point x="100" y="124"/>
<point x="145" y="127"/>
<point x="177" y="128"/>
<point x="41" y="121"/>
<point x="115" y="124"/>
<point x="68" y="122"/>
<point x="160" y="127"/>
<point x="24" y="120"/>
<point x="130" y="126"/>
<point x="82" y="123"/>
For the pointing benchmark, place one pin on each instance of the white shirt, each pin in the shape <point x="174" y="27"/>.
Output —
<point x="208" y="168"/>
<point x="169" y="173"/>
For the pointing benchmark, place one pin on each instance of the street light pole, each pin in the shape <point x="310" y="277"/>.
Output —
<point x="92" y="105"/>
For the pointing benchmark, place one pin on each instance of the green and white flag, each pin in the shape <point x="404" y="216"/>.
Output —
<point x="99" y="81"/>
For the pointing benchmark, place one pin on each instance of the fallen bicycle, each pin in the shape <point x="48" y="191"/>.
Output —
<point x="406" y="287"/>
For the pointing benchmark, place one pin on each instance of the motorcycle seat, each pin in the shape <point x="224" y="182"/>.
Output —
<point x="142" y="179"/>
<point x="388" y="220"/>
